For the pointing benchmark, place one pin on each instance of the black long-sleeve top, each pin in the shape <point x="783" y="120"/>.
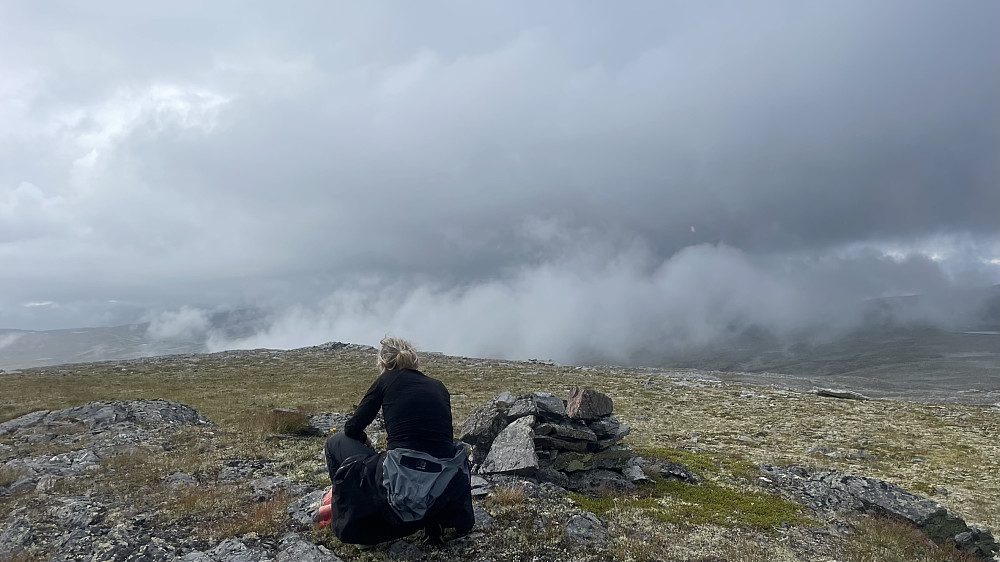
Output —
<point x="417" y="412"/>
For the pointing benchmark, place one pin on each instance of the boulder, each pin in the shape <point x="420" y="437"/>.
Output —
<point x="482" y="427"/>
<point x="668" y="470"/>
<point x="513" y="450"/>
<point x="588" y="404"/>
<point x="599" y="481"/>
<point x="549" y="405"/>
<point x="605" y="426"/>
<point x="587" y="528"/>
<point x="480" y="486"/>
<point x="522" y="406"/>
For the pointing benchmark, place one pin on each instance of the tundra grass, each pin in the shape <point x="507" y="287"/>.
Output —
<point x="949" y="451"/>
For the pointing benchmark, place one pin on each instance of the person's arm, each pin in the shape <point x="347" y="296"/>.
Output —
<point x="366" y="411"/>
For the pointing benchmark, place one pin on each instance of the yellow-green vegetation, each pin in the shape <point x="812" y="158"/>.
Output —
<point x="886" y="540"/>
<point x="725" y="497"/>
<point x="721" y="466"/>
<point x="719" y="429"/>
<point x="671" y="501"/>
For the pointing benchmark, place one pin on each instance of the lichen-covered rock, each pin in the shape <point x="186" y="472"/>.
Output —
<point x="294" y="548"/>
<point x="838" y="491"/>
<point x="513" y="449"/>
<point x="586" y="528"/>
<point x="301" y="510"/>
<point x="482" y="517"/>
<point x="634" y="472"/>
<point x="667" y="469"/>
<point x="977" y="541"/>
<point x="588" y="404"/>
<point x="599" y="482"/>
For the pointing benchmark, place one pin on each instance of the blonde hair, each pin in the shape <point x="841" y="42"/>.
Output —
<point x="396" y="353"/>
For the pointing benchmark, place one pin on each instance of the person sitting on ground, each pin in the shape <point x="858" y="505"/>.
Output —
<point x="422" y="481"/>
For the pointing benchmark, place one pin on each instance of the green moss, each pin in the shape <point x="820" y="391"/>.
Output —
<point x="671" y="501"/>
<point x="704" y="463"/>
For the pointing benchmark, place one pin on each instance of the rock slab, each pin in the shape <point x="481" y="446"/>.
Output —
<point x="588" y="404"/>
<point x="838" y="491"/>
<point x="514" y="448"/>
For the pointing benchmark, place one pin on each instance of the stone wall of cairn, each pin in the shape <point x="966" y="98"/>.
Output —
<point x="574" y="443"/>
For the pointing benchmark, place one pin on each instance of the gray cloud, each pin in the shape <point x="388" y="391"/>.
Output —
<point x="470" y="157"/>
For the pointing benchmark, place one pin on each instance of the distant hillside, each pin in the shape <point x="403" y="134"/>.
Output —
<point x="933" y="343"/>
<point x="21" y="349"/>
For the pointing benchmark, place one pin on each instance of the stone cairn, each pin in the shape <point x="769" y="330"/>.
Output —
<point x="572" y="443"/>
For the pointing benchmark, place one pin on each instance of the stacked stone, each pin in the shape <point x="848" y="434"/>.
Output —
<point x="541" y="436"/>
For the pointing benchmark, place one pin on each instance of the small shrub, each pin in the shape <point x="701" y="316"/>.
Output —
<point x="275" y="421"/>
<point x="265" y="518"/>
<point x="507" y="496"/>
<point x="877" y="539"/>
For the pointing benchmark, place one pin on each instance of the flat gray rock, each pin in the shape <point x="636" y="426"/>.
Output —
<point x="513" y="449"/>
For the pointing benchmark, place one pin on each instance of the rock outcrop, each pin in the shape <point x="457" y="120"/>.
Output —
<point x="840" y="492"/>
<point x="573" y="444"/>
<point x="93" y="432"/>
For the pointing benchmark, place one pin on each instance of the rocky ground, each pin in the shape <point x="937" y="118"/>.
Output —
<point x="229" y="469"/>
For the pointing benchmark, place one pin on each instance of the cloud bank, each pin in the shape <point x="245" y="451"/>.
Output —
<point x="617" y="307"/>
<point x="500" y="178"/>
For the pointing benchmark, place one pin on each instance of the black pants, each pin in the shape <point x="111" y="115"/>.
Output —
<point x="338" y="447"/>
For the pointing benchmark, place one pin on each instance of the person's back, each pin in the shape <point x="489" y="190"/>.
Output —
<point x="417" y="413"/>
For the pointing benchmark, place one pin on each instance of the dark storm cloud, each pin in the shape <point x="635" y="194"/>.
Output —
<point x="450" y="156"/>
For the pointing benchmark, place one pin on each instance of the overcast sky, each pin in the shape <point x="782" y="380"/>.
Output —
<point x="511" y="178"/>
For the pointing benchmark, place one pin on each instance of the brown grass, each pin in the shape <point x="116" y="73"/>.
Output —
<point x="886" y="540"/>
<point x="9" y="475"/>
<point x="239" y="390"/>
